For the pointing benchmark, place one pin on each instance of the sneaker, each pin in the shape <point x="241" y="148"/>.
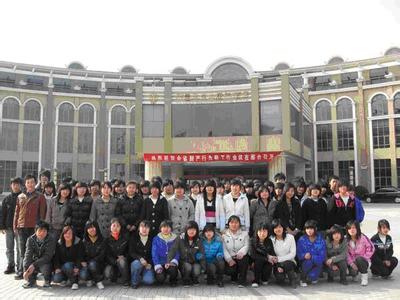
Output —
<point x="28" y="285"/>
<point x="89" y="283"/>
<point x="75" y="286"/>
<point x="46" y="284"/>
<point x="18" y="276"/>
<point x="364" y="279"/>
<point x="100" y="285"/>
<point x="9" y="270"/>
<point x="254" y="285"/>
<point x="240" y="285"/>
<point x="303" y="283"/>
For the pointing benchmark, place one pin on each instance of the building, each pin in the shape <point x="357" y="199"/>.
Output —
<point x="342" y="118"/>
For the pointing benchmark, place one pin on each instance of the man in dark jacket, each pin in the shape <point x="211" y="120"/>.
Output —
<point x="6" y="226"/>
<point x="129" y="208"/>
<point x="341" y="207"/>
<point x="77" y="214"/>
<point x="39" y="253"/>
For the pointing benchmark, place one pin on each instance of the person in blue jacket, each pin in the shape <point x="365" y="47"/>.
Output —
<point x="214" y="253"/>
<point x="311" y="253"/>
<point x="162" y="243"/>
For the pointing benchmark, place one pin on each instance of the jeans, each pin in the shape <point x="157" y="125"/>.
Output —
<point x="67" y="273"/>
<point x="172" y="272"/>
<point x="342" y="265"/>
<point x="379" y="268"/>
<point x="45" y="270"/>
<point x="121" y="267"/>
<point x="262" y="270"/>
<point x="190" y="271"/>
<point x="309" y="270"/>
<point x="240" y="268"/>
<point x="23" y="235"/>
<point x="362" y="265"/>
<point x="11" y="244"/>
<point x="93" y="271"/>
<point x="137" y="269"/>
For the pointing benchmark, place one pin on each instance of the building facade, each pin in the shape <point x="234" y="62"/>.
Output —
<point x="339" y="118"/>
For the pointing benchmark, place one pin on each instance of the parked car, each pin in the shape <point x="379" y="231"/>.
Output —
<point x="387" y="194"/>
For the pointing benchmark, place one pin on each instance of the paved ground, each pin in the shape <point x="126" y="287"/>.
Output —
<point x="377" y="288"/>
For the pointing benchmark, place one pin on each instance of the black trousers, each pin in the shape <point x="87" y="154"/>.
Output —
<point x="23" y="235"/>
<point x="342" y="265"/>
<point x="172" y="272"/>
<point x="362" y="265"/>
<point x="288" y="267"/>
<point x="240" y="268"/>
<point x="262" y="270"/>
<point x="379" y="268"/>
<point x="215" y="268"/>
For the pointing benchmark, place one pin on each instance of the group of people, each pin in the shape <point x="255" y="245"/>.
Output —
<point x="143" y="233"/>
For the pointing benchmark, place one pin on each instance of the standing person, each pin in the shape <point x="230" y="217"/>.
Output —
<point x="68" y="258"/>
<point x="261" y="209"/>
<point x="155" y="208"/>
<point x="250" y="192"/>
<point x="383" y="262"/>
<point x="44" y="177"/>
<point x="280" y="178"/>
<point x="336" y="254"/>
<point x="39" y="252"/>
<point x="168" y="189"/>
<point x="315" y="208"/>
<point x="49" y="192"/>
<point x="7" y="219"/>
<point x="181" y="209"/>
<point x="94" y="188"/>
<point x="194" y="192"/>
<point x="227" y="186"/>
<point x="191" y="254"/>
<point x="341" y="207"/>
<point x="144" y="190"/>
<point x="162" y="243"/>
<point x="118" y="188"/>
<point x="209" y="210"/>
<point x="94" y="255"/>
<point x="236" y="247"/>
<point x="78" y="209"/>
<point x="103" y="210"/>
<point x="57" y="209"/>
<point x="311" y="253"/>
<point x="220" y="189"/>
<point x="214" y="254"/>
<point x="140" y="255"/>
<point x="236" y="204"/>
<point x="285" y="250"/>
<point x="30" y="208"/>
<point x="262" y="253"/>
<point x="301" y="188"/>
<point x="278" y="191"/>
<point x="333" y="186"/>
<point x="129" y="208"/>
<point x="117" y="245"/>
<point x="360" y="250"/>
<point x="289" y="212"/>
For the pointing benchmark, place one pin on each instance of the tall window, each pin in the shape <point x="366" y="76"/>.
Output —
<point x="324" y="137"/>
<point x="345" y="166"/>
<point x="380" y="133"/>
<point x="323" y="111"/>
<point x="32" y="127"/>
<point x="118" y="135"/>
<point x="65" y="132"/>
<point x="294" y="123"/>
<point x="396" y="103"/>
<point x="153" y="120"/>
<point x="345" y="136"/>
<point x="379" y="105"/>
<point x="270" y="117"/>
<point x="8" y="169"/>
<point x="383" y="173"/>
<point x="9" y="130"/>
<point x="29" y="167"/>
<point x="86" y="129"/>
<point x="325" y="169"/>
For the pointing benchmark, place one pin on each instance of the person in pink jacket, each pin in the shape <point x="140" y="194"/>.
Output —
<point x="359" y="251"/>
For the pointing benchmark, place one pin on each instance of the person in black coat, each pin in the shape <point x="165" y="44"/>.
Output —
<point x="116" y="254"/>
<point x="94" y="255"/>
<point x="140" y="246"/>
<point x="129" y="208"/>
<point x="155" y="208"/>
<point x="315" y="208"/>
<point x="68" y="258"/>
<point x="78" y="209"/>
<point x="341" y="207"/>
<point x="382" y="261"/>
<point x="288" y="210"/>
<point x="261" y="253"/>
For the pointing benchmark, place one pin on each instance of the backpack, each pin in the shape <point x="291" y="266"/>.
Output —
<point x="360" y="213"/>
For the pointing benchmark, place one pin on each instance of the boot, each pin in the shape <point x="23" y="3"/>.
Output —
<point x="364" y="279"/>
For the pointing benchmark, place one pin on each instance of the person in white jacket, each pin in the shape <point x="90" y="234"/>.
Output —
<point x="236" y="204"/>
<point x="209" y="208"/>
<point x="285" y="250"/>
<point x="236" y="247"/>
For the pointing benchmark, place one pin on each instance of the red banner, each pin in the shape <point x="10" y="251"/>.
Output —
<point x="210" y="157"/>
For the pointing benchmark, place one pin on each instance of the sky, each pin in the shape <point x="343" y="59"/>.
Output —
<point x="157" y="36"/>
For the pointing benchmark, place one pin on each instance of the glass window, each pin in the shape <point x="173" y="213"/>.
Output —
<point x="66" y="113"/>
<point x="65" y="139"/>
<point x="153" y="120"/>
<point x="380" y="133"/>
<point x="30" y="167"/>
<point x="344" y="109"/>
<point x="31" y="137"/>
<point x="308" y="132"/>
<point x="137" y="171"/>
<point x="85" y="140"/>
<point x="270" y="117"/>
<point x="8" y="169"/>
<point x="325" y="170"/>
<point x="9" y="136"/>
<point x="344" y="170"/>
<point x="84" y="172"/>
<point x="64" y="170"/>
<point x="86" y="114"/>
<point x="397" y="129"/>
<point x="10" y="109"/>
<point x="323" y="111"/>
<point x="396" y="99"/>
<point x="295" y="123"/>
<point x="383" y="173"/>
<point x="117" y="171"/>
<point x="324" y="137"/>
<point x="118" y="140"/>
<point x="32" y="110"/>
<point x="118" y="116"/>
<point x="345" y="136"/>
<point x="379" y="105"/>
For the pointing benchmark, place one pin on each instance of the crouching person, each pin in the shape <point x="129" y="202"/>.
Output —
<point x="140" y="254"/>
<point x="336" y="254"/>
<point x="191" y="254"/>
<point x="68" y="258"/>
<point x="214" y="253"/>
<point x="116" y="255"/>
<point x="93" y="243"/>
<point x="38" y="255"/>
<point x="162" y="243"/>
<point x="236" y="247"/>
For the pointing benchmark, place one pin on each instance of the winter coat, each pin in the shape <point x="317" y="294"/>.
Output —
<point x="239" y="208"/>
<point x="260" y="214"/>
<point x="137" y="250"/>
<point x="261" y="251"/>
<point x="102" y="212"/>
<point x="200" y="213"/>
<point x="213" y="250"/>
<point x="285" y="249"/>
<point x="339" y="213"/>
<point x="315" y="210"/>
<point x="160" y="249"/>
<point x="363" y="248"/>
<point x="55" y="215"/>
<point x="317" y="249"/>
<point x="180" y="212"/>
<point x="78" y="213"/>
<point x="289" y="219"/>
<point x="74" y="254"/>
<point x="39" y="253"/>
<point x="128" y="210"/>
<point x="155" y="213"/>
<point x="29" y="211"/>
<point x="383" y="251"/>
<point x="115" y="248"/>
<point x="234" y="244"/>
<point x="188" y="253"/>
<point x="8" y="210"/>
<point x="336" y="254"/>
<point x="94" y="251"/>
